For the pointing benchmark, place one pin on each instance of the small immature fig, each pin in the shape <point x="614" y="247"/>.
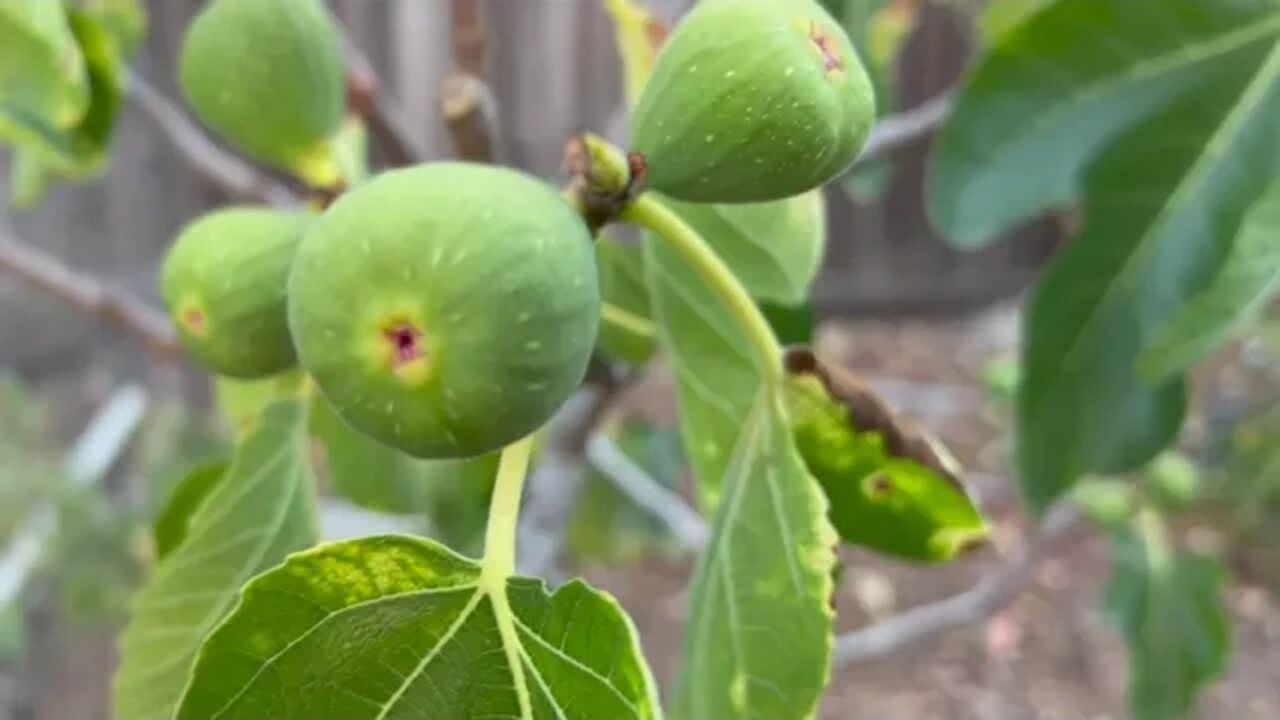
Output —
<point x="268" y="76"/>
<point x="224" y="283"/>
<point x="446" y="309"/>
<point x="752" y="100"/>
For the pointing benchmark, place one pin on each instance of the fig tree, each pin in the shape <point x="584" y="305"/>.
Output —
<point x="752" y="100"/>
<point x="224" y="283"/>
<point x="446" y="309"/>
<point x="268" y="75"/>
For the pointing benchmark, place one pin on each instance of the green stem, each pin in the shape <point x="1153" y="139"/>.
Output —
<point x="626" y="320"/>
<point x="504" y="512"/>
<point x="648" y="212"/>
<point x="1155" y="538"/>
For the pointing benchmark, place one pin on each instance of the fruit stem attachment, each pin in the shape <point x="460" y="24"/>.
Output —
<point x="647" y="211"/>
<point x="504" y="512"/>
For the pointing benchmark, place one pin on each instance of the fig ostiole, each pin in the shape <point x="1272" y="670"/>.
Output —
<point x="752" y="100"/>
<point x="224" y="283"/>
<point x="446" y="309"/>
<point x="268" y="76"/>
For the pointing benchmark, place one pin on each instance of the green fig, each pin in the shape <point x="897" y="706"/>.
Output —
<point x="446" y="309"/>
<point x="268" y="76"/>
<point x="224" y="283"/>
<point x="752" y="100"/>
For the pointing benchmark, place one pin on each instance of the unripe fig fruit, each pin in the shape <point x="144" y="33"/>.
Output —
<point x="446" y="309"/>
<point x="752" y="100"/>
<point x="268" y="76"/>
<point x="224" y="282"/>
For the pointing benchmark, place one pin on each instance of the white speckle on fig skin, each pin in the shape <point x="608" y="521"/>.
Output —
<point x="523" y="317"/>
<point x="437" y="256"/>
<point x="533" y="345"/>
<point x="456" y="318"/>
<point x="536" y="387"/>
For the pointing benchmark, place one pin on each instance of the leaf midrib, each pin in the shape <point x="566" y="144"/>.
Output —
<point x="1212" y="152"/>
<point x="467" y="610"/>
<point x="719" y="585"/>
<point x="480" y="591"/>
<point x="635" y="712"/>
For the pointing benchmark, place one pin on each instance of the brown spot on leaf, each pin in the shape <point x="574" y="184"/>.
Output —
<point x="880" y="485"/>
<point x="868" y="412"/>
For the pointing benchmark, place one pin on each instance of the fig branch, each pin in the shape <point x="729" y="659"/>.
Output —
<point x="90" y="296"/>
<point x="468" y="105"/>
<point x="231" y="174"/>
<point x="977" y="604"/>
<point x="367" y="99"/>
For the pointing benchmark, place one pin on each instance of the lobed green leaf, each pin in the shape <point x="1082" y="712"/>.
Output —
<point x="758" y="643"/>
<point x="715" y="373"/>
<point x="171" y="525"/>
<point x="1164" y="204"/>
<point x="1058" y="87"/>
<point x="71" y="139"/>
<point x="42" y="73"/>
<point x="259" y="513"/>
<point x="775" y="250"/>
<point x="891" y="504"/>
<point x="1169" y="608"/>
<point x="1244" y="282"/>
<point x="399" y="627"/>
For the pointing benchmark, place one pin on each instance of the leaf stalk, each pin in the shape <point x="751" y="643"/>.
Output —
<point x="649" y="212"/>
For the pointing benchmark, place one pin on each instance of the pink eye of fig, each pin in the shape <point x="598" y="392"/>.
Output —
<point x="468" y="313"/>
<point x="224" y="284"/>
